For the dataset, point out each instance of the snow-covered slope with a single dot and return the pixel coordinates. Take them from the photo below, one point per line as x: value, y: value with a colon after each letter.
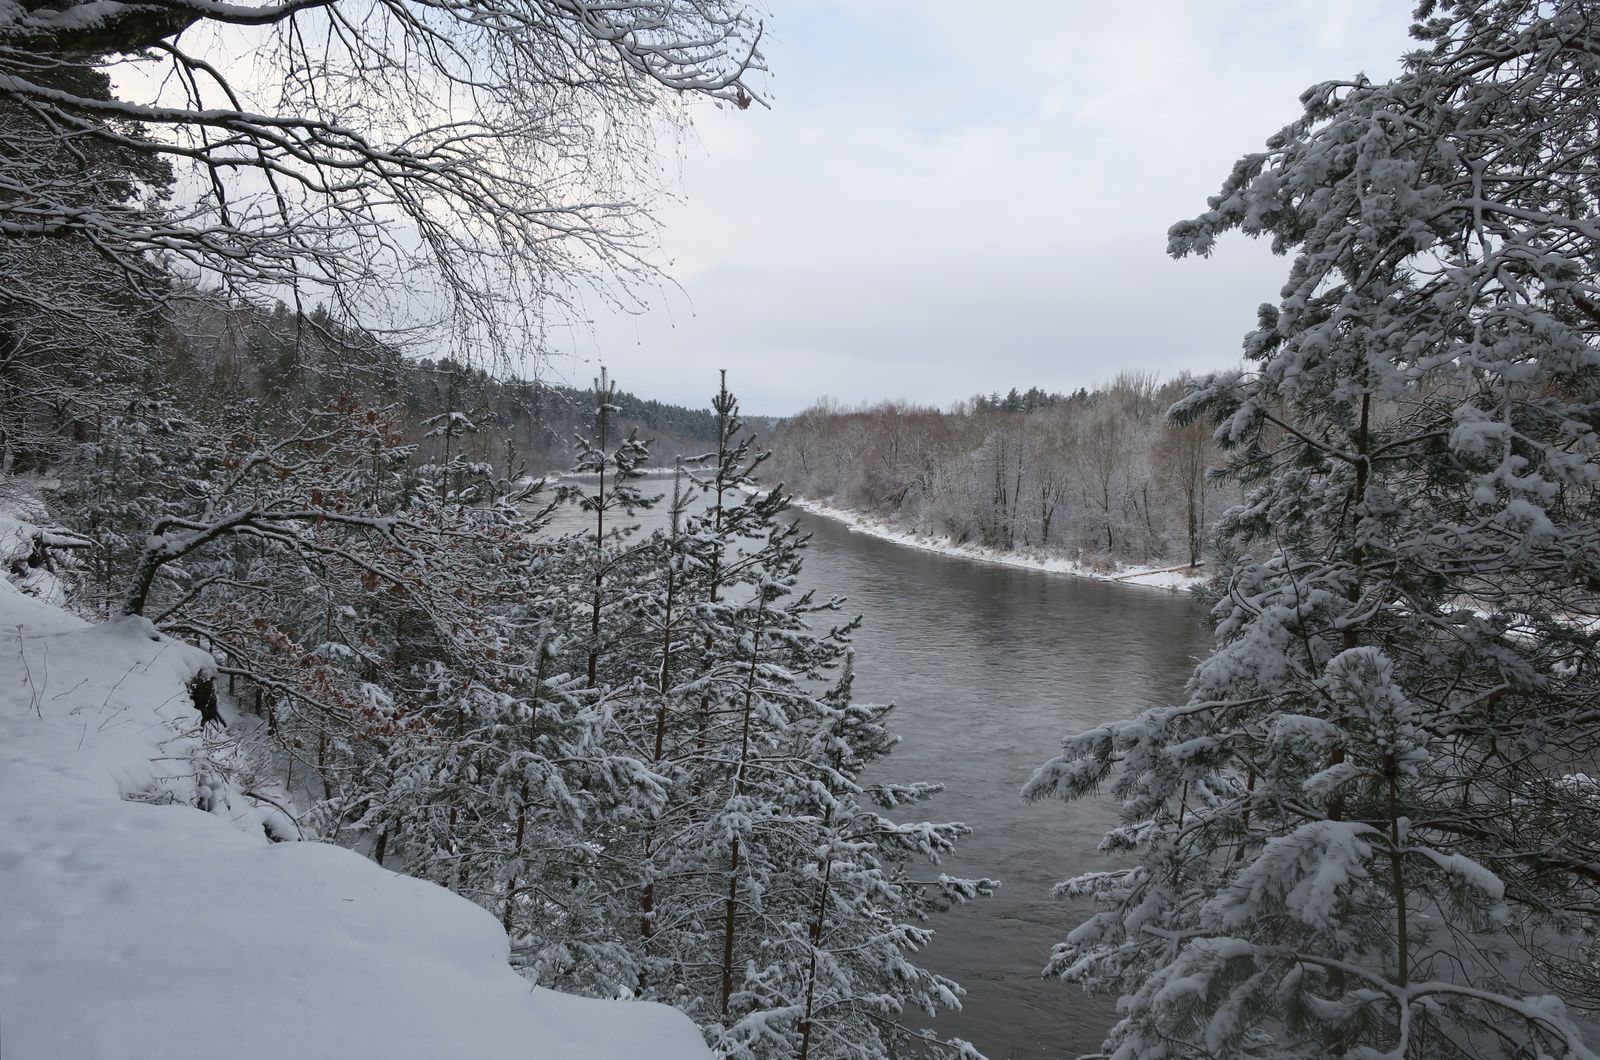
x: 133, y: 924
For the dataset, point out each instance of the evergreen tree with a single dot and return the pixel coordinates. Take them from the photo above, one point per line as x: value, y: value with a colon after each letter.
x: 1363, y: 834
x: 782, y: 911
x: 77, y: 331
x: 835, y: 975
x: 616, y: 472
x: 670, y: 622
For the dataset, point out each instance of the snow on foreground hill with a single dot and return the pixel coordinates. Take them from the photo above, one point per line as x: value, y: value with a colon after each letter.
x: 150, y: 930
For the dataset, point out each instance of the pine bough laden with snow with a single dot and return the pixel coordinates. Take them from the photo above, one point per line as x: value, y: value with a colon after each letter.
x: 1365, y: 833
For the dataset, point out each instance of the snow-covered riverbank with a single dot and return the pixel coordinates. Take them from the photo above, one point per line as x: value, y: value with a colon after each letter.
x: 552, y: 477
x: 1171, y: 578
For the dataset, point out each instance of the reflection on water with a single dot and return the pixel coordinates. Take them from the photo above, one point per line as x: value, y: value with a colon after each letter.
x: 990, y: 667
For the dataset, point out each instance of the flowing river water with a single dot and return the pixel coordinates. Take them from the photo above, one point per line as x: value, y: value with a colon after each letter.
x: 990, y: 666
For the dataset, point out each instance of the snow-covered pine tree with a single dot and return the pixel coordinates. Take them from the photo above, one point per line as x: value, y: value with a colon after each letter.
x: 677, y: 599
x: 674, y: 646
x: 80, y: 338
x: 137, y: 468
x: 594, y: 790
x: 504, y: 789
x: 733, y: 514
x: 765, y: 652
x: 666, y: 608
x: 834, y: 974
x: 783, y: 912
x: 1363, y: 834
x: 616, y: 490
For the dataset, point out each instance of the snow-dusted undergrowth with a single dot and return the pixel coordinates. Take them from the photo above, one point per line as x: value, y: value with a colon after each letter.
x: 1154, y: 577
x: 134, y: 924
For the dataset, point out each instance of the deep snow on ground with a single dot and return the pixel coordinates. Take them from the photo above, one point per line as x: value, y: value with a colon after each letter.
x: 135, y: 925
x: 1154, y: 577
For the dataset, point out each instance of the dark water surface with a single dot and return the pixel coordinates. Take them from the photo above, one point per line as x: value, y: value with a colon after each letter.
x: 990, y: 667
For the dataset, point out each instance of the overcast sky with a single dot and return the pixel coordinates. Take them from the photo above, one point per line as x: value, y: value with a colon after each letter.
x: 941, y: 202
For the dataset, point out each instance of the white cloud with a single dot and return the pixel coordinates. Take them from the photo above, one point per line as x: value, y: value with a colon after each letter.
x: 942, y: 201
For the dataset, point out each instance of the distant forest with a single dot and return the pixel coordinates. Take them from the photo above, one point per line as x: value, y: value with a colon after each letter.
x: 1098, y: 475
x: 263, y: 367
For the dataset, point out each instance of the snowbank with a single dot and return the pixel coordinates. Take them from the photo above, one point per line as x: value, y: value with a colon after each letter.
x: 1179, y: 578
x: 27, y: 555
x: 134, y: 925
x: 558, y: 475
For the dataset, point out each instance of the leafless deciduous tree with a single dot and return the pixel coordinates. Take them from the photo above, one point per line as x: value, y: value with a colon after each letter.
x: 1097, y: 475
x: 468, y: 161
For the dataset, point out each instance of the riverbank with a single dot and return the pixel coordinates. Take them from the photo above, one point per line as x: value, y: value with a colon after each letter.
x: 1174, y: 579
x: 558, y: 475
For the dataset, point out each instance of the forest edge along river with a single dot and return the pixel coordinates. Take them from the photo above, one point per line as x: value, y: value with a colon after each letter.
x: 990, y: 667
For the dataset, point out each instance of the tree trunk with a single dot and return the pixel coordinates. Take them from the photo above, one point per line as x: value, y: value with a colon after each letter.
x: 1193, y: 526
x: 599, y: 535
x: 1351, y: 638
x: 647, y: 902
x: 514, y: 884
x: 811, y: 970
x: 730, y: 911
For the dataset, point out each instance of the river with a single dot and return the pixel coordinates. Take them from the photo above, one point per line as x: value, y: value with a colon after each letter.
x: 990, y: 666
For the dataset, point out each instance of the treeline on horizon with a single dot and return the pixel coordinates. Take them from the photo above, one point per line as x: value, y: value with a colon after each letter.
x: 219, y: 360
x: 1097, y: 475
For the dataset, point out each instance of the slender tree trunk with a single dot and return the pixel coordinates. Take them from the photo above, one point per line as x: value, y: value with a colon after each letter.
x: 730, y: 911
x: 1397, y: 880
x: 1149, y: 523
x: 514, y: 884
x: 1105, y: 508
x: 818, y: 919
x: 1193, y: 526
x: 647, y: 903
x: 1016, y: 504
x: 817, y: 922
x: 1244, y: 818
x: 322, y: 759
x: 599, y: 535
x: 1351, y: 638
x: 716, y: 554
